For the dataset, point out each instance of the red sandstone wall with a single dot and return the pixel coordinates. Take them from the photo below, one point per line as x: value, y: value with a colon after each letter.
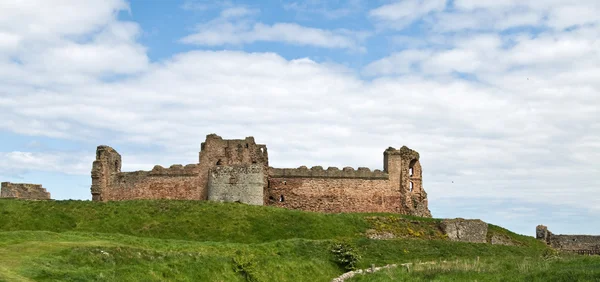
x: 176, y: 182
x: 347, y: 190
x: 132, y: 185
x: 334, y: 195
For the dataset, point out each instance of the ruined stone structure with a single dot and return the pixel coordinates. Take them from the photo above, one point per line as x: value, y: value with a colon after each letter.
x: 238, y: 171
x: 465, y: 230
x: 583, y: 244
x: 23, y: 191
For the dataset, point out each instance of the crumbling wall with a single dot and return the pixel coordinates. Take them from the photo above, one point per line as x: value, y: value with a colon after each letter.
x: 350, y: 190
x: 237, y: 183
x: 587, y: 244
x: 23, y: 191
x: 465, y: 230
x: 414, y: 197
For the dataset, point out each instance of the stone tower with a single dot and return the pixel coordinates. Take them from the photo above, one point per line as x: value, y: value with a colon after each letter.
x: 405, y: 172
x: 104, y: 170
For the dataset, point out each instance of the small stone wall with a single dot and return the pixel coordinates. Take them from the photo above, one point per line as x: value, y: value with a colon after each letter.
x: 23, y: 191
x: 584, y: 244
x: 465, y: 230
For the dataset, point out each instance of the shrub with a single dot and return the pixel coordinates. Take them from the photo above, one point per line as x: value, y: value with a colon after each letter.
x: 345, y: 255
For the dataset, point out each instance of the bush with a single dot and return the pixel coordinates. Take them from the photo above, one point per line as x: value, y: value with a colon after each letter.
x: 345, y: 255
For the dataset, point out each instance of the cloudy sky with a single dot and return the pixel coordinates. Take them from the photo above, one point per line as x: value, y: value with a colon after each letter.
x: 500, y: 97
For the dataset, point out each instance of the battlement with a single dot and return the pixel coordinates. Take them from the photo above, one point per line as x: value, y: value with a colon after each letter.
x: 404, y: 152
x: 218, y: 151
x: 175, y: 170
x: 23, y: 191
x: 158, y: 170
x: 330, y: 172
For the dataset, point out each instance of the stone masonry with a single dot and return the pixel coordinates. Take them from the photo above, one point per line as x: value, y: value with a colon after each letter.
x: 23, y: 191
x: 465, y: 230
x: 238, y: 171
x: 584, y: 244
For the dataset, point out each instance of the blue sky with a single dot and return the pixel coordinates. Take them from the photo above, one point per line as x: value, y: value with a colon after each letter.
x: 499, y: 97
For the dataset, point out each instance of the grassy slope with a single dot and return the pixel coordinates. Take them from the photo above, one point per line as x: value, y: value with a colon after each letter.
x: 199, y: 241
x: 565, y: 268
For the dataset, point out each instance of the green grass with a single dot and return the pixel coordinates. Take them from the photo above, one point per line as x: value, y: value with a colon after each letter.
x: 207, y: 241
x: 565, y: 268
x: 189, y: 220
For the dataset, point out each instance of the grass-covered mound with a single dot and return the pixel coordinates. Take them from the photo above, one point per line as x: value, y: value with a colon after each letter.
x: 207, y: 241
x: 211, y: 221
x: 187, y: 220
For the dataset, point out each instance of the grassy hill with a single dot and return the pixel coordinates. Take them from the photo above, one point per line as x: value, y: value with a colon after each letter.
x: 207, y: 241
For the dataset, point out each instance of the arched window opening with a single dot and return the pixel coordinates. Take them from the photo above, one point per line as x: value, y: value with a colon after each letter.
x: 411, y: 168
x: 284, y: 182
x: 281, y: 198
x: 219, y: 162
x: 411, y: 186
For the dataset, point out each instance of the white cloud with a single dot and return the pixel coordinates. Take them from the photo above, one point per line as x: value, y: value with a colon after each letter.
x: 237, y: 12
x: 331, y: 10
x: 66, y: 42
x: 403, y: 13
x: 18, y: 162
x: 233, y: 27
x: 478, y: 15
x: 41, y: 18
x: 398, y: 63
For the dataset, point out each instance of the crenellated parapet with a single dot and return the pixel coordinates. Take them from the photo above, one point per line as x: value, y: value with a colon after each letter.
x: 404, y: 152
x: 175, y: 170
x: 331, y: 172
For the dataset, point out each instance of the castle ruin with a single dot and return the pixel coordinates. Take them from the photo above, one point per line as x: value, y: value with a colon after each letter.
x: 238, y: 171
x: 24, y: 191
x: 582, y: 244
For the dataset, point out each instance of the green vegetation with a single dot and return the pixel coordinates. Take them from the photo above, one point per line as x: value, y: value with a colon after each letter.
x: 207, y: 241
x: 564, y: 268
